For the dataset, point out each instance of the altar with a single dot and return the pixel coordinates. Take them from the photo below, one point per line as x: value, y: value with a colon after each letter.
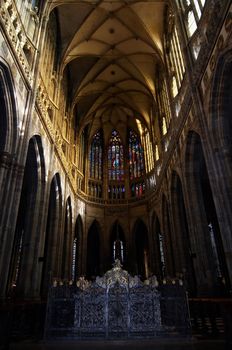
x: 116, y: 305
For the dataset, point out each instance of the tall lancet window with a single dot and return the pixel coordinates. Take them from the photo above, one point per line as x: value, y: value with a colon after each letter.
x: 118, y: 244
x: 95, y: 156
x: 74, y: 259
x: 115, y: 157
x: 136, y: 156
x: 118, y: 250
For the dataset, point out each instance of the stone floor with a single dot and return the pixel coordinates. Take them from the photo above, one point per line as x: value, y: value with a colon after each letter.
x: 166, y: 344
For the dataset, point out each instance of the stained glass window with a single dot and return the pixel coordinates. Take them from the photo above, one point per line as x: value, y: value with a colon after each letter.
x: 138, y: 189
x: 95, y: 189
x: 116, y: 192
x: 136, y: 156
x: 95, y: 156
x: 115, y: 157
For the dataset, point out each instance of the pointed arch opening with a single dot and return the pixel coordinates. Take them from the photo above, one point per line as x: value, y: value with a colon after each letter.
x: 167, y: 239
x: 66, y: 256
x: 51, y: 265
x: 136, y: 164
x: 118, y: 244
x: 76, y: 269
x: 8, y: 115
x: 158, y: 249
x: 221, y: 103
x: 183, y: 250
x: 96, y: 154
x: 116, y: 170
x: 141, y: 249
x: 221, y: 129
x: 27, y: 239
x: 93, y: 268
x: 210, y: 258
x: 115, y: 157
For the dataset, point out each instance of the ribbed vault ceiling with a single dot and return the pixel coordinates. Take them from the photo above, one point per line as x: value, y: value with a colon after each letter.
x: 111, y: 50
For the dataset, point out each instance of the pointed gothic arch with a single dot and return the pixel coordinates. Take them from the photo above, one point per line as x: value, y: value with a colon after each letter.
x: 117, y: 243
x: 210, y: 256
x: 96, y: 153
x: 115, y: 157
x: 159, y: 268
x: 8, y: 115
x: 67, y: 238
x: 8, y: 143
x: 76, y: 269
x: 141, y: 249
x: 221, y: 102
x: 93, y: 264
x: 167, y: 238
x: 27, y: 239
x: 182, y: 250
x: 220, y: 127
x: 51, y: 258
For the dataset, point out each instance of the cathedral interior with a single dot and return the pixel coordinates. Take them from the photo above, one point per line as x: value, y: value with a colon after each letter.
x: 115, y: 144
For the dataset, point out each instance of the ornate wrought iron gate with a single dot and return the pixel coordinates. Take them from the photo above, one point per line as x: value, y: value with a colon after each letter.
x: 114, y: 306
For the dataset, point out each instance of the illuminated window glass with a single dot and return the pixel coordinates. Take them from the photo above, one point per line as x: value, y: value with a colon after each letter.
x: 174, y: 87
x: 147, y: 147
x: 115, y: 157
x: 148, y: 152
x: 164, y: 105
x: 116, y: 192
x: 174, y: 56
x: 156, y: 153
x: 138, y: 189
x: 164, y: 126
x: 81, y: 154
x: 136, y: 156
x: 192, y: 11
x: 95, y: 156
x: 35, y: 3
x: 192, y: 24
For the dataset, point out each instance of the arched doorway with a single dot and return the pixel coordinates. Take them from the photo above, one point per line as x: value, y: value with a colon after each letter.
x: 24, y: 270
x: 220, y: 130
x: 141, y: 249
x: 51, y: 260
x: 67, y: 245
x: 10, y: 175
x: 208, y: 253
x: 183, y: 251
x: 77, y: 250
x: 93, y: 266
x: 167, y: 240
x: 158, y: 249
x: 8, y: 112
x: 118, y: 244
